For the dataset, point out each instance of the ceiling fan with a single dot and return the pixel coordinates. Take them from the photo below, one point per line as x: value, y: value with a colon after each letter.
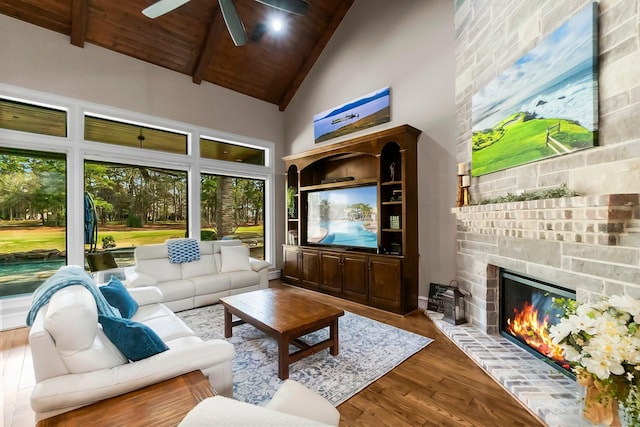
x: 231, y: 17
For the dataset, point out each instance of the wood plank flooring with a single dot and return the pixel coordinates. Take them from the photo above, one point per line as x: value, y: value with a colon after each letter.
x: 438, y: 386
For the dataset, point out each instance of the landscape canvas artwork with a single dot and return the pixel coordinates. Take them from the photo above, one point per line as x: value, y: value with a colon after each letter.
x: 545, y: 105
x: 362, y: 113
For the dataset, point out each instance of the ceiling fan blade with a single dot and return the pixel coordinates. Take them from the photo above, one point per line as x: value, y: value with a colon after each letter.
x: 234, y: 24
x: 161, y: 7
x: 298, y: 7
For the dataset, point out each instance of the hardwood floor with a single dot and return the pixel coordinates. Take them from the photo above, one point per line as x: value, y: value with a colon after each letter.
x: 438, y: 386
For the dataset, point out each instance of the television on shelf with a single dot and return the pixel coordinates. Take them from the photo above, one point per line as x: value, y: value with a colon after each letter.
x: 345, y: 217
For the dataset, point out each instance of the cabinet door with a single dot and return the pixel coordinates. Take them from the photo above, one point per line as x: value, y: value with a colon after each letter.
x: 330, y: 268
x: 310, y: 274
x: 385, y: 283
x: 290, y: 265
x: 355, y: 278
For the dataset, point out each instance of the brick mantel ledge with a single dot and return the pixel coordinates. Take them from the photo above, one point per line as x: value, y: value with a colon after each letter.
x: 599, y: 219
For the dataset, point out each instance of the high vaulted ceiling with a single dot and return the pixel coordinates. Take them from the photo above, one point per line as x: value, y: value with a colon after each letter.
x: 193, y: 39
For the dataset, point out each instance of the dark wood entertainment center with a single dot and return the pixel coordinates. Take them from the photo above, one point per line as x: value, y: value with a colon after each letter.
x: 385, y: 277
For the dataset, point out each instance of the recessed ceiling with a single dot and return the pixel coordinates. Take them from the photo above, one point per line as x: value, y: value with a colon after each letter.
x: 193, y: 39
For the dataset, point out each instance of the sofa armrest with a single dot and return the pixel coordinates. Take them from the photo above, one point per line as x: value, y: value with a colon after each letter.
x: 136, y: 279
x: 222, y: 411
x: 257, y: 265
x: 145, y: 295
x: 84, y: 389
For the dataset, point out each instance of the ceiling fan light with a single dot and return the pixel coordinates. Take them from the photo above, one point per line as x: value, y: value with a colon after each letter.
x: 276, y: 24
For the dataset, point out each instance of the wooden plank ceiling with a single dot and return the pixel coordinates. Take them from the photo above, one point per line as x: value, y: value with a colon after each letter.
x: 193, y: 39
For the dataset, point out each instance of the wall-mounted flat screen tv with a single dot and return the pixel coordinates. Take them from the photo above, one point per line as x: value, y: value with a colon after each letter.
x: 344, y: 217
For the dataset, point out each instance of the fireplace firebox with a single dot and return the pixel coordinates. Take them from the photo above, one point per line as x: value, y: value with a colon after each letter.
x: 527, y: 312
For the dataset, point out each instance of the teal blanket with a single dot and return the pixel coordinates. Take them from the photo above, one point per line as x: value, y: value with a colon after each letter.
x: 68, y: 276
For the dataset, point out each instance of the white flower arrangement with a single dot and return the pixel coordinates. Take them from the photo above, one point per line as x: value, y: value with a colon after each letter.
x: 601, y: 341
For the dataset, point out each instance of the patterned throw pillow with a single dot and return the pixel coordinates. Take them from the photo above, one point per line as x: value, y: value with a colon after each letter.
x: 183, y: 250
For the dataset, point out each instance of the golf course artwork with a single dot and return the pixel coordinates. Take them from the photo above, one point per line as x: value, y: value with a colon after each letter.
x: 369, y: 110
x: 545, y: 105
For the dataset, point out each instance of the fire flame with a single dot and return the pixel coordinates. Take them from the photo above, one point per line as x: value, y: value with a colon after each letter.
x: 526, y: 326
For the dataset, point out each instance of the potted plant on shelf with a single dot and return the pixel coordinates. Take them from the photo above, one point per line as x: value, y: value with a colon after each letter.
x: 291, y: 203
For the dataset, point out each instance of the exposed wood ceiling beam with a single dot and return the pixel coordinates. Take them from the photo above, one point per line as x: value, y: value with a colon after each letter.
x: 207, y: 51
x: 341, y: 11
x: 79, y: 13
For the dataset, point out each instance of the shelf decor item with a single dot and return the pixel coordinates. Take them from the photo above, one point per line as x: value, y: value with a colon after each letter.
x: 600, y: 341
x: 453, y: 306
x: 291, y: 202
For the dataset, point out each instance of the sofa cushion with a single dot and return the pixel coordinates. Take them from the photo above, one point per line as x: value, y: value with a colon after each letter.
x: 117, y: 296
x: 72, y: 318
x: 223, y: 411
x: 135, y: 340
x: 102, y: 354
x: 241, y: 279
x: 294, y: 398
x: 211, y: 284
x: 72, y: 323
x: 204, y: 266
x: 151, y: 311
x: 234, y: 258
x: 167, y: 328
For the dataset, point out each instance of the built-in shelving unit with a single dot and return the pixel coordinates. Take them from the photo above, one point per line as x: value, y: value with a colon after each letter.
x: 385, y: 277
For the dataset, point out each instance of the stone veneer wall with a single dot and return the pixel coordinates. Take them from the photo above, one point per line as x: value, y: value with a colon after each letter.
x: 588, y: 244
x: 579, y: 242
x: 492, y: 34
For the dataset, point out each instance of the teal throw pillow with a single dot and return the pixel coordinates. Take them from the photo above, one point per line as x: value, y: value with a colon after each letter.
x: 117, y: 296
x: 135, y: 340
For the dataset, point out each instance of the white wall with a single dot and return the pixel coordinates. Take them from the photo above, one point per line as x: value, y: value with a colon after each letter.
x: 36, y: 58
x: 409, y: 46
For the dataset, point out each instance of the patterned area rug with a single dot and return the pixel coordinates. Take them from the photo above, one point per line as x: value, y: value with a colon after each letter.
x: 368, y: 350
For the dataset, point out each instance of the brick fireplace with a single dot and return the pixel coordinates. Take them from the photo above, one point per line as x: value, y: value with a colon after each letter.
x: 590, y: 245
x: 587, y: 244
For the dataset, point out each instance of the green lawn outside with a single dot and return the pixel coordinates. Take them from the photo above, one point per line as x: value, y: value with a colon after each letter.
x: 31, y: 238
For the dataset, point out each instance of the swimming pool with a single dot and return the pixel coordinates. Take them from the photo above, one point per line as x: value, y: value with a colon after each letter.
x: 17, y: 278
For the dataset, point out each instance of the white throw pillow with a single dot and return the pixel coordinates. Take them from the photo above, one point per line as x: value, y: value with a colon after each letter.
x: 234, y: 258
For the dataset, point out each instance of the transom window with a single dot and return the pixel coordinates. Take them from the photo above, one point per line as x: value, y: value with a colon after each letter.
x: 131, y: 135
x: 226, y: 151
x: 32, y: 118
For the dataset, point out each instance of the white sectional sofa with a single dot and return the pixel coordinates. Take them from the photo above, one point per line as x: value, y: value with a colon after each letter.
x: 76, y: 364
x: 224, y: 268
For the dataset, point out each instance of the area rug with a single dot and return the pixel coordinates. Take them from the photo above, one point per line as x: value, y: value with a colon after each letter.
x: 368, y: 349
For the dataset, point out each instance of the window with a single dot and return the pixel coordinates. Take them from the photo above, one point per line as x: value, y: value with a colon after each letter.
x: 233, y: 208
x: 226, y: 151
x: 32, y: 118
x: 135, y: 205
x: 131, y: 135
x: 137, y: 172
x: 33, y: 219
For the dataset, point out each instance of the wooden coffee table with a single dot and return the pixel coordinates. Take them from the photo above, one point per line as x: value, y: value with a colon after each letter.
x: 285, y: 316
